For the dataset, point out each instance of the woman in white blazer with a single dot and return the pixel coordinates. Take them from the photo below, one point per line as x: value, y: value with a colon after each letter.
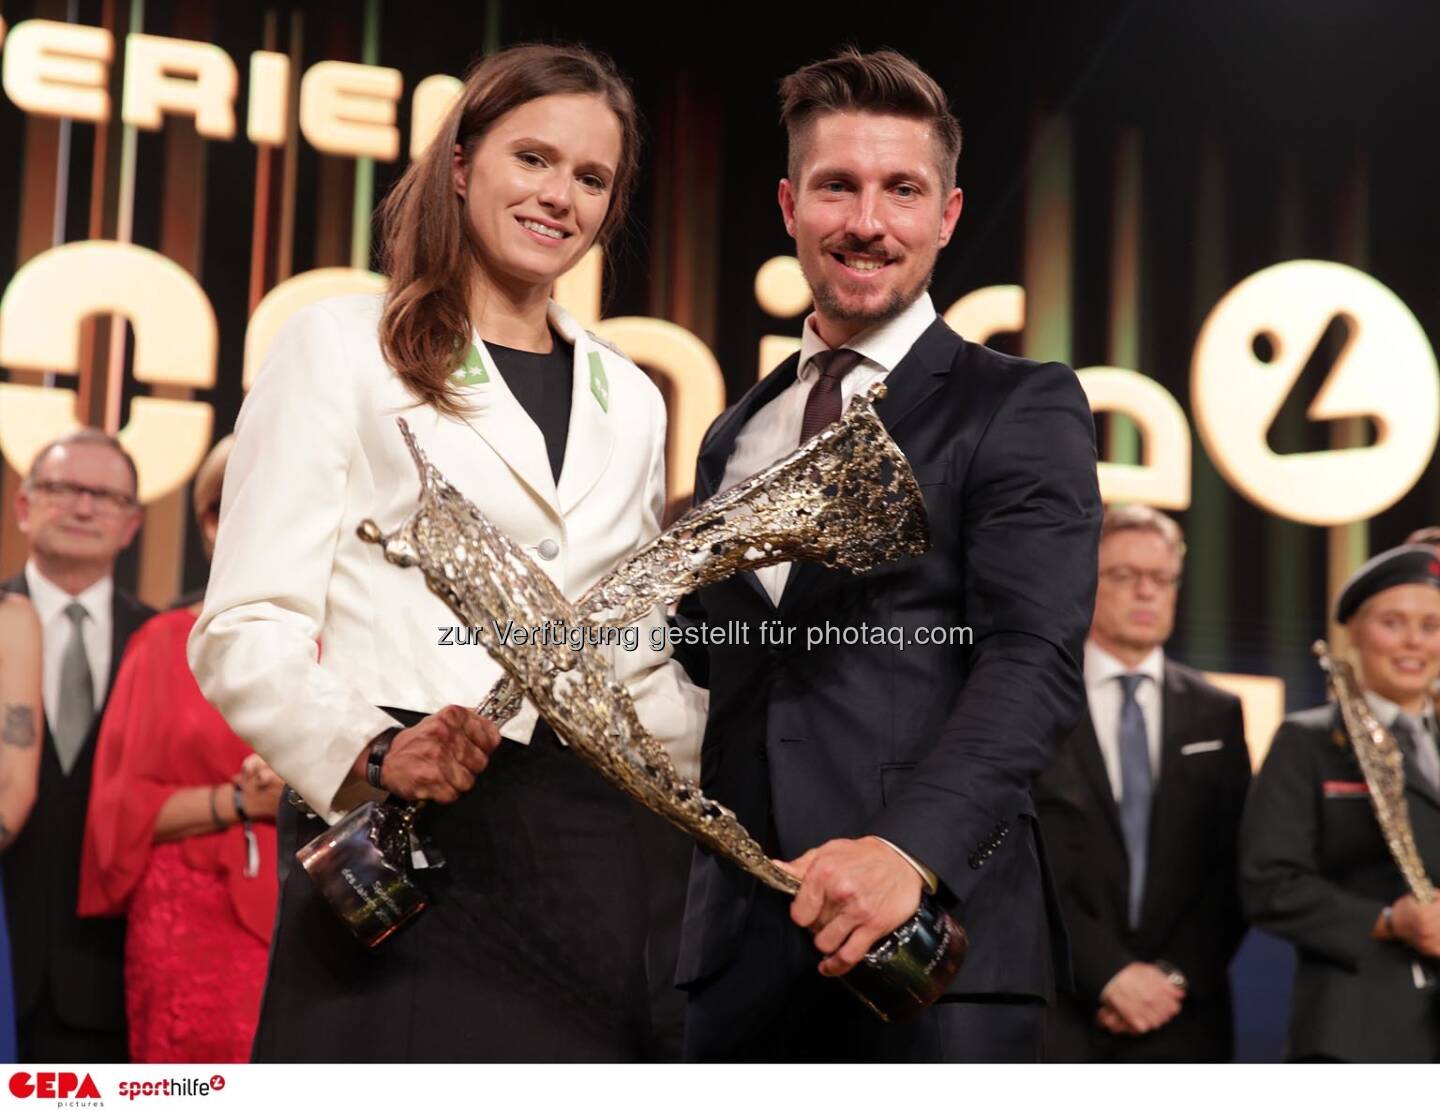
x: 326, y: 658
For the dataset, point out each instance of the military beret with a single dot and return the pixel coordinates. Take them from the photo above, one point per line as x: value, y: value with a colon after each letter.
x: 1410, y: 563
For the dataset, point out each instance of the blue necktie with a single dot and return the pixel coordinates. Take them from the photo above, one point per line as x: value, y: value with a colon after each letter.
x: 1137, y: 787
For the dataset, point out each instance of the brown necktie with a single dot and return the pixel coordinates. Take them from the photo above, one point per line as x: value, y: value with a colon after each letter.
x: 822, y: 407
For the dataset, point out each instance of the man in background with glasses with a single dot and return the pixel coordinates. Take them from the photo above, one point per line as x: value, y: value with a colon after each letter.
x: 1140, y: 812
x: 78, y: 509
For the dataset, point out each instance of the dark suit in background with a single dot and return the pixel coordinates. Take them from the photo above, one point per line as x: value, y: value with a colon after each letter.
x: 68, y: 970
x: 932, y: 747
x: 1190, y: 915
x: 1315, y: 870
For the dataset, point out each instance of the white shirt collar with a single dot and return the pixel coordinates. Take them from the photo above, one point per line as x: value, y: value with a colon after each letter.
x: 884, y: 345
x: 567, y: 326
x: 1388, y: 711
x: 1101, y: 666
x: 50, y: 600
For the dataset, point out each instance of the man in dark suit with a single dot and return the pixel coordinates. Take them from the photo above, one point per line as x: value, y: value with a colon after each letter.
x: 1315, y: 867
x: 77, y: 507
x: 878, y: 766
x: 1141, y: 812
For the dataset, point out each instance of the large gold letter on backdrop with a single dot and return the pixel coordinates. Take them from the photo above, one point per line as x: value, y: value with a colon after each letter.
x: 175, y: 345
x: 292, y: 295
x: 1162, y: 477
x: 347, y: 108
x: 781, y: 290
x: 59, y: 69
x: 176, y: 77
x: 1386, y: 372
x: 267, y: 121
x: 430, y: 103
x: 984, y: 313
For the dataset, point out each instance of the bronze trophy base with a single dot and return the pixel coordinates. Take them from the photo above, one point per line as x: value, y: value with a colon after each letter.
x: 362, y: 867
x: 910, y: 968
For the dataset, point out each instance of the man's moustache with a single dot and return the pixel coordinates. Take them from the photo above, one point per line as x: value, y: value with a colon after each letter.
x: 854, y: 247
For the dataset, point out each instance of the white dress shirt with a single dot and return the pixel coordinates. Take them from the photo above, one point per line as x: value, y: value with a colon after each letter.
x: 1102, y: 687
x: 774, y: 432
x: 1388, y: 711
x: 50, y: 602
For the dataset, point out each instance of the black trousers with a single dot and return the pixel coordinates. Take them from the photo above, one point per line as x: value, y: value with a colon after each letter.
x: 666, y: 852
x: 770, y: 1004
x: 533, y: 949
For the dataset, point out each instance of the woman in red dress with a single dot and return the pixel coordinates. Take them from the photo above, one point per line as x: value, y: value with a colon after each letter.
x: 180, y: 837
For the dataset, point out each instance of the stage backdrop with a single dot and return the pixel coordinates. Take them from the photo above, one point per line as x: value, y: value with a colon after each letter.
x: 1221, y: 216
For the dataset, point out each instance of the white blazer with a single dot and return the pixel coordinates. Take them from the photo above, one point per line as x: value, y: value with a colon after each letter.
x: 307, y: 629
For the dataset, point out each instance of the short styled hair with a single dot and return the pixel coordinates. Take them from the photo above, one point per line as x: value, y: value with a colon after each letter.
x: 1143, y: 518
x: 885, y: 83
x: 92, y: 436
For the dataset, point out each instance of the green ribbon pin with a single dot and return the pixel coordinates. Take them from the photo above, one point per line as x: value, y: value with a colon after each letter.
x: 472, y: 371
x: 599, y: 384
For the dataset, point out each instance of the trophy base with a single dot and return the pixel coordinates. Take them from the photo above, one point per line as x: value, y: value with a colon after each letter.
x: 910, y: 968
x: 360, y: 866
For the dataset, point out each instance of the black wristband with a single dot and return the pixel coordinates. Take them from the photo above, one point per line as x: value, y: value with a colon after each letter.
x: 1174, y: 975
x: 239, y: 798
x: 378, y: 749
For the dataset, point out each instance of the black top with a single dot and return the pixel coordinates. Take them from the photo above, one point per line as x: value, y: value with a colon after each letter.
x: 541, y: 383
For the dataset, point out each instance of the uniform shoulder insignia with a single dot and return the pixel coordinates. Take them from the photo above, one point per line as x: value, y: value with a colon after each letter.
x: 605, y: 343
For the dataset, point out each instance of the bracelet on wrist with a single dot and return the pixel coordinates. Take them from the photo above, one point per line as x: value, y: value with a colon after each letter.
x: 379, y: 747
x: 238, y: 798
x: 1174, y: 975
x: 252, y: 845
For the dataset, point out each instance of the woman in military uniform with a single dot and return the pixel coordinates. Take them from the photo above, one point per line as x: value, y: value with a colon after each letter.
x: 1314, y: 865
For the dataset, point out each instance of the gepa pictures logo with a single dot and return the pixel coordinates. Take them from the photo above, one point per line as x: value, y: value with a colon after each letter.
x: 53, y: 1085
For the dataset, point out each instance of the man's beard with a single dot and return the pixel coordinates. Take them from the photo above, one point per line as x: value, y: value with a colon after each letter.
x: 831, y: 305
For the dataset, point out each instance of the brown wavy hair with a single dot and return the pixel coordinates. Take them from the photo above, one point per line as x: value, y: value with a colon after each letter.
x: 427, y: 249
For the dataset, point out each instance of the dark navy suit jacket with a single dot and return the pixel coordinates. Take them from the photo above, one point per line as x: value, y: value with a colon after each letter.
x: 934, y: 747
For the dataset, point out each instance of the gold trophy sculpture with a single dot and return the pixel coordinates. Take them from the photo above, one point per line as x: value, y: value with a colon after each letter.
x: 846, y: 498
x: 1383, y: 766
